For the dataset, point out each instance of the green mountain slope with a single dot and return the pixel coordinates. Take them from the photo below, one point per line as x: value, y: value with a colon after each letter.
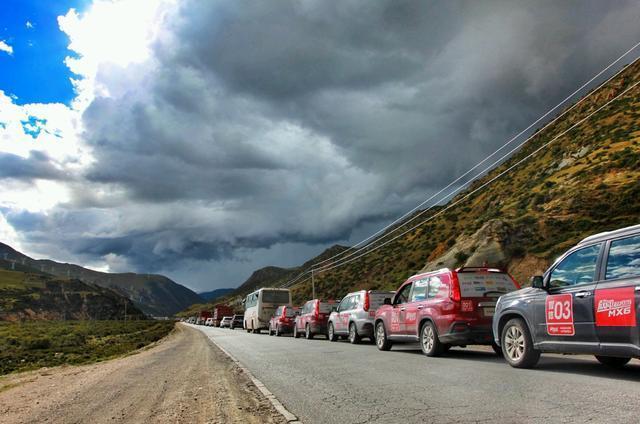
x: 155, y: 295
x: 26, y: 295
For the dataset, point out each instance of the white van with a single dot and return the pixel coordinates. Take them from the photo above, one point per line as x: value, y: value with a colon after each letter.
x: 260, y: 306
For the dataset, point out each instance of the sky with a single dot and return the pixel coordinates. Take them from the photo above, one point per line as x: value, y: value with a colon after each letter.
x: 204, y: 140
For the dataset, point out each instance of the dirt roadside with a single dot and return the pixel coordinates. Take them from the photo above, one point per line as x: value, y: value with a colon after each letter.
x: 183, y: 379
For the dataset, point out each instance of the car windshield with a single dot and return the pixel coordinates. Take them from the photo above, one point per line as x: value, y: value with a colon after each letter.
x: 275, y: 296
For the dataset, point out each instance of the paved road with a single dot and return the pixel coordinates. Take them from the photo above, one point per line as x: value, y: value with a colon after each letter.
x: 323, y: 382
x: 177, y: 381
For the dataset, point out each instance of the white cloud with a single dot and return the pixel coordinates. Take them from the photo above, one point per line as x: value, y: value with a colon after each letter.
x: 29, y: 25
x: 4, y: 47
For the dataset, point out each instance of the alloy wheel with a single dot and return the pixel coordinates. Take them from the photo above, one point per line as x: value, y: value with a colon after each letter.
x: 514, y: 343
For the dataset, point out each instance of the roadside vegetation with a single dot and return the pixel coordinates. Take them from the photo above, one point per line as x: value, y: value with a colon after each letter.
x: 35, y: 344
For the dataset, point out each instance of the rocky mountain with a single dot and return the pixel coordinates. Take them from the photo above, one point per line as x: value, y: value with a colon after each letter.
x: 155, y: 295
x: 29, y: 294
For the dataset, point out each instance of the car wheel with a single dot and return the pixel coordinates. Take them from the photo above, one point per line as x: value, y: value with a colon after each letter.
x: 497, y: 349
x: 429, y: 341
x: 295, y: 332
x: 517, y: 345
x: 278, y: 332
x: 307, y: 332
x: 612, y: 361
x: 354, y: 338
x: 381, y: 337
x: 331, y: 334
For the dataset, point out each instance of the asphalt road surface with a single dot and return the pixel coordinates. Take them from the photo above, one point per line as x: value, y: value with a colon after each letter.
x: 324, y: 382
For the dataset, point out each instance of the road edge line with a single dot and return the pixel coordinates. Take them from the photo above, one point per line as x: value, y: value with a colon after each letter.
x: 282, y: 410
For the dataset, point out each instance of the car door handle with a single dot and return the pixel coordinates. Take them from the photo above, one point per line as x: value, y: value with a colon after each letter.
x: 402, y: 309
x: 420, y: 307
x: 583, y: 294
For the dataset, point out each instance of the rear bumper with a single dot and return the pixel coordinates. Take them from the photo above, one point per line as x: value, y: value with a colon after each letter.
x: 318, y: 328
x: 460, y: 333
x: 365, y: 327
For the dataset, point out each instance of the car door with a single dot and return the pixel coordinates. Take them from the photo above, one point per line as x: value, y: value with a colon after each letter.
x: 398, y: 325
x: 343, y: 315
x: 617, y: 296
x: 415, y: 304
x: 564, y: 312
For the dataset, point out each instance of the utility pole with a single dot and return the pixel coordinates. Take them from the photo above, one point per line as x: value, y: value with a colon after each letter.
x: 313, y: 284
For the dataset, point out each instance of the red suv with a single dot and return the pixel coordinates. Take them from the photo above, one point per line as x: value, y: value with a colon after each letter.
x: 443, y: 308
x: 282, y: 321
x: 313, y: 318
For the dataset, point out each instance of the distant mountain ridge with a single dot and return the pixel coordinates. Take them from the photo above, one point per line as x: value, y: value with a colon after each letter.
x: 215, y: 294
x: 155, y: 295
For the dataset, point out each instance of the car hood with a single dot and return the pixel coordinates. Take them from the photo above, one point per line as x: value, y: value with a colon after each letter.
x: 525, y: 292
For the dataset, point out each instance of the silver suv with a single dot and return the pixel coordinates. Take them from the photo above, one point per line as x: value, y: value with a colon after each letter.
x: 355, y: 315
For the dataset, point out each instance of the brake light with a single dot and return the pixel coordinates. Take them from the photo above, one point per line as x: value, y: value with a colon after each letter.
x: 317, y: 309
x: 366, y: 301
x: 454, y: 289
x: 284, y: 312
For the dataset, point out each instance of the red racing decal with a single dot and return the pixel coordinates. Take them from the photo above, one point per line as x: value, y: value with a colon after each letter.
x: 616, y: 307
x: 559, y: 315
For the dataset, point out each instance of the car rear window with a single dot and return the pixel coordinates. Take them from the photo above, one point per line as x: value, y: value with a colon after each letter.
x: 377, y: 299
x: 327, y: 308
x: 291, y: 312
x: 477, y: 284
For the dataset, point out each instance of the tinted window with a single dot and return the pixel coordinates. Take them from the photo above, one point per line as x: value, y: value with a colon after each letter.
x: 275, y: 296
x: 577, y: 268
x: 435, y: 283
x: 624, y: 258
x: 403, y: 295
x: 419, y: 290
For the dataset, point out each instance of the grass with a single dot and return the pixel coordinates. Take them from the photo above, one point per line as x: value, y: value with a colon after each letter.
x: 35, y: 344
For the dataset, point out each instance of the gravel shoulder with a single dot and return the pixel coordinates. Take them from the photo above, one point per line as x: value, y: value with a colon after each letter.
x: 184, y: 378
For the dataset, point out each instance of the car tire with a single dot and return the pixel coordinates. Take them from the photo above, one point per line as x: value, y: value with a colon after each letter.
x: 497, y: 349
x: 612, y: 361
x: 296, y: 335
x: 354, y: 337
x: 517, y: 345
x: 307, y: 332
x: 429, y: 341
x: 331, y: 334
x: 382, y: 342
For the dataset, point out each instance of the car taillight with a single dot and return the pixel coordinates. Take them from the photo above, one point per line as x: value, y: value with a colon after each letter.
x: 366, y: 301
x: 454, y: 289
x: 284, y: 312
x: 317, y: 309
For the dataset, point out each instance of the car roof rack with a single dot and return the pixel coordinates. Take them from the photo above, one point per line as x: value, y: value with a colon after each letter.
x: 608, y: 234
x: 479, y: 268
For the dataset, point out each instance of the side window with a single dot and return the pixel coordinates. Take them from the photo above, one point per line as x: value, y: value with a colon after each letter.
x: 435, y: 284
x: 344, y: 305
x: 577, y: 268
x: 624, y: 258
x: 419, y: 292
x: 403, y: 295
x: 355, y: 300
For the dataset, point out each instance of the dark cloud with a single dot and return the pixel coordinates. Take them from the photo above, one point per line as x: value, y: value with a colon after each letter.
x: 37, y: 166
x: 260, y: 125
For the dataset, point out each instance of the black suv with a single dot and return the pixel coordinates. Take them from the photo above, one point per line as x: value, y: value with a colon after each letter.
x: 587, y: 302
x: 237, y: 321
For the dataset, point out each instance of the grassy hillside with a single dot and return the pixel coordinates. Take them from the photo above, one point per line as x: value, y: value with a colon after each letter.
x: 154, y: 294
x: 36, y: 344
x: 39, y: 296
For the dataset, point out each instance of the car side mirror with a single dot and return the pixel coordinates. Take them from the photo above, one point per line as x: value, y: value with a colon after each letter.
x: 387, y: 301
x: 537, y: 282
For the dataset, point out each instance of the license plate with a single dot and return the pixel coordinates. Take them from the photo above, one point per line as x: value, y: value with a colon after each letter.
x: 488, y: 312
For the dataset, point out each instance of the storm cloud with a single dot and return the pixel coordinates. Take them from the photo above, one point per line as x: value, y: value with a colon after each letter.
x: 257, y: 126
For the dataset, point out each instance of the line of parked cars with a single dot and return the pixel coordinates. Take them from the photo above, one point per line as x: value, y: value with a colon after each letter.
x: 587, y: 302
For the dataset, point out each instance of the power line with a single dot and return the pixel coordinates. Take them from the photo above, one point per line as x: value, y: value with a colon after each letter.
x: 490, y: 156
x: 338, y: 263
x: 355, y: 252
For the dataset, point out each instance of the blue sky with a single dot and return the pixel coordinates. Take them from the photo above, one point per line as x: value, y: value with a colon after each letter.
x: 36, y: 72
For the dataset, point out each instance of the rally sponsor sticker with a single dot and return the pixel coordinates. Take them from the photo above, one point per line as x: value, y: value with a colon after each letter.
x: 559, y: 315
x: 616, y: 307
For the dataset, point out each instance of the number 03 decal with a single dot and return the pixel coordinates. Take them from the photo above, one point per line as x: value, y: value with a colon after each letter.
x: 559, y: 315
